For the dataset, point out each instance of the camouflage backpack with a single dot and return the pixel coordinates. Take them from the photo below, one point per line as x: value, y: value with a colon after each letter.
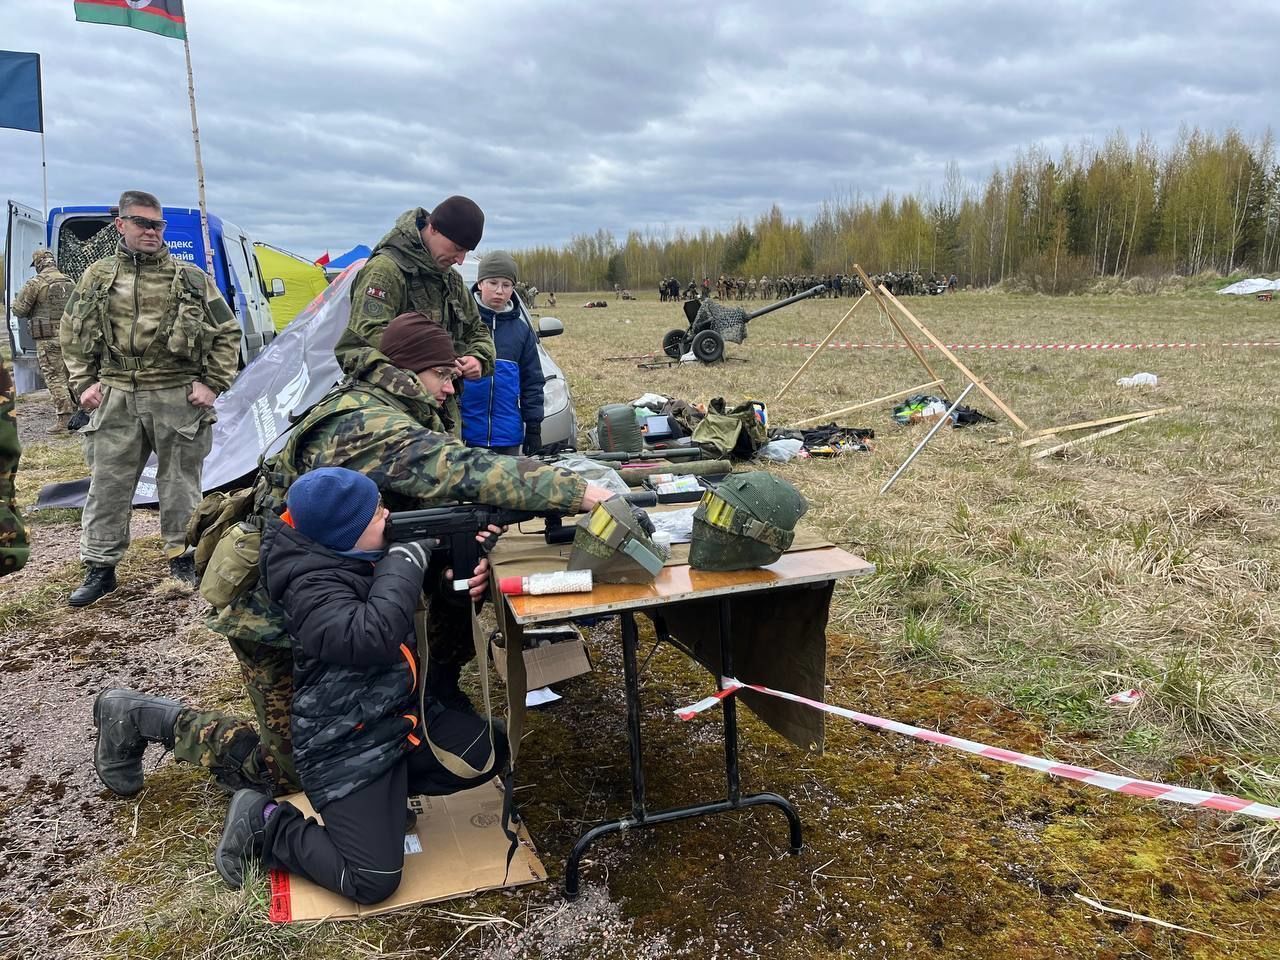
x: 747, y: 520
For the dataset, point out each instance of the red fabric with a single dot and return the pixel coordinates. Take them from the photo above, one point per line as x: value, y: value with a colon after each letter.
x: 323, y: 259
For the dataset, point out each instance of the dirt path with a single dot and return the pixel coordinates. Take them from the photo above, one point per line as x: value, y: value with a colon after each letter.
x: 58, y: 826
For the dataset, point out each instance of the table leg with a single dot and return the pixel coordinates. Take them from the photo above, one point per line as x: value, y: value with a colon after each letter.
x: 640, y: 816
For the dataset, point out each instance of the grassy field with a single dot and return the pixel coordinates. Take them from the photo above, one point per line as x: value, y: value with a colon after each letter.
x: 1013, y: 596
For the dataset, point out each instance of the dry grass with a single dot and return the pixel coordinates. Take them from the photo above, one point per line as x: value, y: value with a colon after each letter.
x: 1012, y: 598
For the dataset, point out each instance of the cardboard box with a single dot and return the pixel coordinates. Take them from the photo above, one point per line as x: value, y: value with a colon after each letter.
x: 457, y: 848
x: 564, y: 656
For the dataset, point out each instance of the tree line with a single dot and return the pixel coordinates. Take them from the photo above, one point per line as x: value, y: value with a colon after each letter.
x: 1208, y: 203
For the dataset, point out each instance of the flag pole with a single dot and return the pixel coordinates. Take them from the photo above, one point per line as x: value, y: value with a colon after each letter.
x: 195, y: 137
x: 44, y: 164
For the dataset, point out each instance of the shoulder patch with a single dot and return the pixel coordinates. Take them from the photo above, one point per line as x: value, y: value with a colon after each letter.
x: 372, y: 308
x: 376, y: 292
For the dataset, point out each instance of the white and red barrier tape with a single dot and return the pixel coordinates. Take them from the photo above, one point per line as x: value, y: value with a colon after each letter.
x: 810, y: 344
x: 1107, y: 781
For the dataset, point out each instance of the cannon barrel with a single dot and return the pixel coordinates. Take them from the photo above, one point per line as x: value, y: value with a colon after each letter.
x: 803, y: 295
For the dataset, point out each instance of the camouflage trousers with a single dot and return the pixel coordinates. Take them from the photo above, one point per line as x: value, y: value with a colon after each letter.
x: 54, y: 371
x: 236, y: 752
x: 122, y: 433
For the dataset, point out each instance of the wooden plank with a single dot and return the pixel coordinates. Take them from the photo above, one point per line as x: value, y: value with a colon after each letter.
x: 896, y: 325
x: 1041, y: 454
x: 956, y: 362
x: 675, y: 584
x: 918, y: 388
x: 1038, y: 435
x: 818, y: 349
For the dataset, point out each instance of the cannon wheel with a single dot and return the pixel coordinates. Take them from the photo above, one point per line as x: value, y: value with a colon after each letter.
x: 708, y: 346
x: 673, y: 344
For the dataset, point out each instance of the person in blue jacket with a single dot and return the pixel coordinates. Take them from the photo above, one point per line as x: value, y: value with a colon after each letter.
x: 504, y: 412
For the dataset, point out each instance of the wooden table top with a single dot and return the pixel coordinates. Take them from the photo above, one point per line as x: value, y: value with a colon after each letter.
x: 681, y: 582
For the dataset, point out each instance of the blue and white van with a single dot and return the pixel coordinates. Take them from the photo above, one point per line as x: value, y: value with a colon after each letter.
x: 235, y: 269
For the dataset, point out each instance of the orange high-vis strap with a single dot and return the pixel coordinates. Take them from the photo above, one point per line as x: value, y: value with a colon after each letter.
x: 413, y: 666
x: 287, y: 518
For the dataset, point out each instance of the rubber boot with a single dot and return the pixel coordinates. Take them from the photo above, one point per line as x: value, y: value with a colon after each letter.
x: 127, y: 721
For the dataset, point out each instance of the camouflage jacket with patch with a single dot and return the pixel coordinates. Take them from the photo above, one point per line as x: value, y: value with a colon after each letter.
x: 146, y: 321
x: 401, y: 276
x: 42, y: 300
x: 382, y: 423
x: 14, y: 548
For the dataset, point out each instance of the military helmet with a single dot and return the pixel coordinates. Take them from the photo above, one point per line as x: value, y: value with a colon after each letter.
x: 748, y: 520
x: 613, y: 542
x: 42, y: 257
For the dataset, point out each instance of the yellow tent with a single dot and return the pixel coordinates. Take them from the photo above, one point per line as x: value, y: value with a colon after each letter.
x: 303, y: 280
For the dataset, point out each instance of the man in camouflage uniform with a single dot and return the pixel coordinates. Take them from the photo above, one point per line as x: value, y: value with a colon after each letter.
x: 41, y: 301
x: 14, y: 548
x: 389, y: 424
x: 411, y: 268
x: 149, y: 344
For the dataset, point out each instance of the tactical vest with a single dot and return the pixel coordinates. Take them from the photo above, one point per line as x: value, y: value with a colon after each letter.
x: 47, y: 315
x: 179, y: 333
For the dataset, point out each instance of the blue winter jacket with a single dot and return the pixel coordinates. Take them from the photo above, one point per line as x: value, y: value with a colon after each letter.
x: 497, y: 410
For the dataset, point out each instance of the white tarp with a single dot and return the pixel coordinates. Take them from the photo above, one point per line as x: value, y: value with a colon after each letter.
x: 295, y: 370
x: 1247, y: 288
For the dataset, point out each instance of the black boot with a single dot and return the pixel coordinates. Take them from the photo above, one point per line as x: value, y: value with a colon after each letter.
x: 98, y: 582
x: 242, y: 835
x: 184, y: 568
x: 442, y: 686
x: 127, y: 721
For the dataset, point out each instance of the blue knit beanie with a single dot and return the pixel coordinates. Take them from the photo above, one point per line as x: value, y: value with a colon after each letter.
x: 332, y: 506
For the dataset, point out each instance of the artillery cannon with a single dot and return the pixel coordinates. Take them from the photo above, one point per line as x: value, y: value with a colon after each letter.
x: 712, y: 324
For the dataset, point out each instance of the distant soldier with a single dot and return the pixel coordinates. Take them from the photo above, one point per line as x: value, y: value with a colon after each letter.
x: 42, y: 301
x: 751, y: 288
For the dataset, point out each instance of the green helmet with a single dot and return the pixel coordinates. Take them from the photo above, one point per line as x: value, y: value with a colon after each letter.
x: 748, y: 520
x: 613, y: 543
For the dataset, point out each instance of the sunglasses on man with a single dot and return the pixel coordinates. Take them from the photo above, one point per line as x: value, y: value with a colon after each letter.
x: 146, y: 223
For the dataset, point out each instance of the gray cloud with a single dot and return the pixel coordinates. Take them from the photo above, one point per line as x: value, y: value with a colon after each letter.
x: 321, y: 120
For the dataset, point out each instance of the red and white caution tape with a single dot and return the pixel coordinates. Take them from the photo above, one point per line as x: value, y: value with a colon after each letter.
x: 1107, y: 781
x: 809, y: 345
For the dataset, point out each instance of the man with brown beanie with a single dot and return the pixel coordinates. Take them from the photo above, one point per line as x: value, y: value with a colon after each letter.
x: 411, y: 268
x: 385, y: 421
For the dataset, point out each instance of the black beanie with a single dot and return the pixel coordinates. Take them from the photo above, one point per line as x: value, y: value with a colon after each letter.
x: 459, y: 219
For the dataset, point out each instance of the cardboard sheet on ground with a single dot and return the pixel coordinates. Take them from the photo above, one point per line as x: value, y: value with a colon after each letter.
x: 457, y: 848
x: 764, y: 625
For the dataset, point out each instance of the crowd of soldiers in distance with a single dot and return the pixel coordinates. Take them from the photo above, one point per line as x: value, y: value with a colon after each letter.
x: 900, y: 284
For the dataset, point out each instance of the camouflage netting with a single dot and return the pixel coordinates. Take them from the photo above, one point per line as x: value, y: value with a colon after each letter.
x: 75, y: 255
x: 729, y: 322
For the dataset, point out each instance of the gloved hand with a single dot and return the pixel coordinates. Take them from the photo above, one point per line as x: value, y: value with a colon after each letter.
x: 532, y: 442
x: 642, y: 519
x: 417, y: 552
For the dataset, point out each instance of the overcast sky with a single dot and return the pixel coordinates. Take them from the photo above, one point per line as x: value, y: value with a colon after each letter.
x: 321, y: 120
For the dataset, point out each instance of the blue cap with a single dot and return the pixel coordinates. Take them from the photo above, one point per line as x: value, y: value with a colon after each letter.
x: 332, y: 506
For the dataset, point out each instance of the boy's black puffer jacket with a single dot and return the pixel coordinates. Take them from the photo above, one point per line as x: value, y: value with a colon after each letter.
x: 355, y: 669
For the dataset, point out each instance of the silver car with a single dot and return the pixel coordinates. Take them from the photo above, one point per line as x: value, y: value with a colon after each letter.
x: 559, y: 422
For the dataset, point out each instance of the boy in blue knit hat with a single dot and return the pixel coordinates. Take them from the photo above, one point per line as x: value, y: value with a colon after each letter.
x: 365, y: 735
